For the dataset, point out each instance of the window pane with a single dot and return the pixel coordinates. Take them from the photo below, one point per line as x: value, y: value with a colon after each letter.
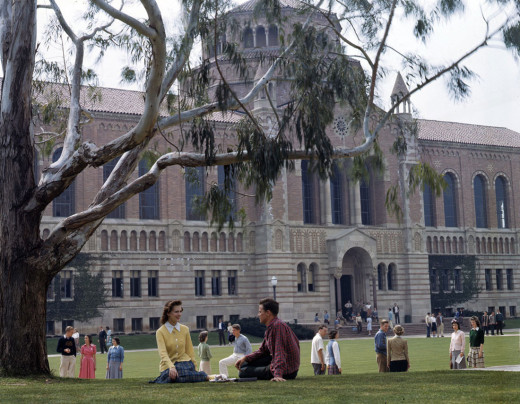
x: 450, y: 206
x: 194, y: 178
x: 149, y: 198
x: 336, y: 196
x: 307, y: 194
x: 429, y: 207
x: 501, y: 198
x: 119, y: 212
x: 480, y: 202
x: 64, y: 204
x: 364, y: 194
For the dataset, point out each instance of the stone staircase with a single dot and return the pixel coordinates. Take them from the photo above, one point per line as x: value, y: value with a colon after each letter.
x: 350, y: 330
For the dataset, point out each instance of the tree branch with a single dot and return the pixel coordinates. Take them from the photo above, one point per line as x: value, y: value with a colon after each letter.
x: 130, y: 21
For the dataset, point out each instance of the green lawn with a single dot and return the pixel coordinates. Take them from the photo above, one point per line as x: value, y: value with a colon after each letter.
x: 360, y: 383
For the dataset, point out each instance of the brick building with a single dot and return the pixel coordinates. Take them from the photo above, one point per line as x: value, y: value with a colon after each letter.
x: 326, y: 242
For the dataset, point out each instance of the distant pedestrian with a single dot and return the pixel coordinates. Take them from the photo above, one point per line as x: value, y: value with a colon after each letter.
x: 397, y: 352
x: 433, y: 325
x: 500, y: 322
x: 76, y: 339
x: 221, y: 332
x: 427, y: 320
x: 326, y: 318
x: 359, y: 323
x: 369, y: 325
x: 485, y: 322
x: 390, y: 317
x: 333, y: 357
x: 476, y: 344
x: 317, y: 318
x: 102, y: 340
x: 396, y: 312
x: 109, y: 336
x: 492, y: 322
x: 440, y: 325
x: 380, y: 346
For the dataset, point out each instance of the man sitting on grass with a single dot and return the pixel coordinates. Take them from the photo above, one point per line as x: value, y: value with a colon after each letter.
x: 278, y: 358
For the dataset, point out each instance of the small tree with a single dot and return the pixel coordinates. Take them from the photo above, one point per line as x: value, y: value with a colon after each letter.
x: 90, y: 294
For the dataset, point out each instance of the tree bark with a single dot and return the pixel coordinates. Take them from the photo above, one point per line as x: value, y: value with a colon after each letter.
x: 22, y: 285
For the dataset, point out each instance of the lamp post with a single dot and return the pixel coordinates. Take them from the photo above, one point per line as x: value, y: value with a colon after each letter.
x: 274, y: 282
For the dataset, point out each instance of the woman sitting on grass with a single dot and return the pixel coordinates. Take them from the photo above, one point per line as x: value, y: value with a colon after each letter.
x: 175, y: 348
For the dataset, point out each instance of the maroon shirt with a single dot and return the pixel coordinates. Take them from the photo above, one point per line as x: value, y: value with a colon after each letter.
x: 282, y: 344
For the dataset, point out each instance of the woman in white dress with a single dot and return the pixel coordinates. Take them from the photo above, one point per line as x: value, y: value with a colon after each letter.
x: 457, y: 346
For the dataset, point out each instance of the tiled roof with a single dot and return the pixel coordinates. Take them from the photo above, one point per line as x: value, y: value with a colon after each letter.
x: 99, y: 99
x: 250, y: 5
x: 467, y: 134
x: 226, y: 117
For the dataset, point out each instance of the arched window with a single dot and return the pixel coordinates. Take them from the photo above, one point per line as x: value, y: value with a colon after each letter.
x: 194, y: 179
x: 248, y: 38
x: 391, y: 277
x: 301, y: 281
x: 501, y: 196
x: 152, y: 241
x: 133, y: 241
x: 336, y: 196
x: 429, y: 206
x: 260, y: 37
x: 119, y: 212
x: 479, y: 190
x: 381, y: 276
x: 195, y: 242
x: 104, y: 240
x: 311, y: 278
x: 204, y: 243
x: 222, y: 242
x: 142, y: 241
x: 273, y: 36
x: 123, y: 242
x: 308, y: 194
x: 149, y: 198
x: 113, y: 240
x: 187, y: 241
x: 162, y: 241
x: 64, y: 204
x: 364, y: 196
x: 450, y: 201
x: 227, y: 182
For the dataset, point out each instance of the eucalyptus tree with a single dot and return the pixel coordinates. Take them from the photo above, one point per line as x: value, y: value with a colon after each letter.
x: 321, y: 74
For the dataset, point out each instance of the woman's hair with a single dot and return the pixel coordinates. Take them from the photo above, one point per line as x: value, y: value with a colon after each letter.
x: 89, y: 339
x: 202, y: 336
x: 168, y: 307
x: 476, y: 320
x: 332, y: 334
x: 455, y: 322
x: 398, y: 330
x: 117, y: 340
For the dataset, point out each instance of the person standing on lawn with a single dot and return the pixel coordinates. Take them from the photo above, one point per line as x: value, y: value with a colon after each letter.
x: 115, y: 359
x: 87, y: 364
x: 397, y: 352
x: 67, y: 349
x: 396, y: 311
x: 380, y: 345
x: 457, y: 346
x: 333, y: 357
x: 318, y: 352
x: 476, y: 344
x: 278, y: 358
x: 102, y: 340
x: 500, y: 322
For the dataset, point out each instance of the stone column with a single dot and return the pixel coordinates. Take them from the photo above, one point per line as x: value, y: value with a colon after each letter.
x: 338, y: 273
x: 355, y: 204
x: 327, y: 203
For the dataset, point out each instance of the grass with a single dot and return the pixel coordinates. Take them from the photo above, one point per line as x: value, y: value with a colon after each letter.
x: 360, y: 383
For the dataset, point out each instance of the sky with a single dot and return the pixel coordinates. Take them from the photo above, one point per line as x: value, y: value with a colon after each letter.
x: 495, y: 96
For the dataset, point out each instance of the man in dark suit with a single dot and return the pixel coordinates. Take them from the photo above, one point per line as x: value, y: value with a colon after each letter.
x: 221, y: 333
x: 102, y: 340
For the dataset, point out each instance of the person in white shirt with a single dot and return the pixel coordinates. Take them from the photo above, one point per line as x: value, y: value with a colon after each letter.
x: 427, y: 320
x: 457, y: 347
x: 242, y: 347
x: 433, y: 325
x: 369, y: 325
x: 332, y: 357
x: 317, y: 351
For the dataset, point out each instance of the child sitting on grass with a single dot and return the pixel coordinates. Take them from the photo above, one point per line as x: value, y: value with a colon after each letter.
x: 204, y: 353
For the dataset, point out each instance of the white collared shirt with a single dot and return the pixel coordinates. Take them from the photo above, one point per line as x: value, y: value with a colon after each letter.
x: 170, y: 327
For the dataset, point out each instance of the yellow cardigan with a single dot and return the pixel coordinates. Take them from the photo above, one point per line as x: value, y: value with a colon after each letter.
x: 174, y: 347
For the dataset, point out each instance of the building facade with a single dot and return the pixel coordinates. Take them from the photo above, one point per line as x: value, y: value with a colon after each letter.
x: 325, y: 241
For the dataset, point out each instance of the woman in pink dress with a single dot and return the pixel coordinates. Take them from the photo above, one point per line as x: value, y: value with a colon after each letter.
x: 87, y: 368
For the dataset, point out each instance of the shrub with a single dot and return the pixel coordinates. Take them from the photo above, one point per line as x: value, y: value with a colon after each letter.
x: 252, y: 326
